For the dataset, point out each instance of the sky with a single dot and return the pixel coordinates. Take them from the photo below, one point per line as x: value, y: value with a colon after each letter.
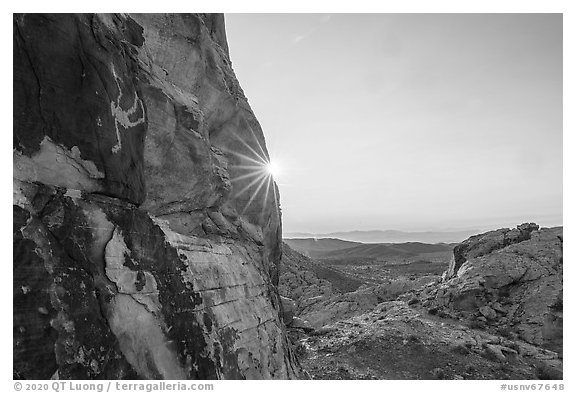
x: 407, y: 121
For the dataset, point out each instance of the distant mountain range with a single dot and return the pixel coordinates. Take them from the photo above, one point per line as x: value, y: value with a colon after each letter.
x: 341, y: 249
x: 320, y: 246
x: 388, y: 236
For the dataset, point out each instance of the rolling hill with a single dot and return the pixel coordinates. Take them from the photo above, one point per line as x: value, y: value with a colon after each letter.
x: 341, y: 249
x: 375, y: 251
x: 388, y: 236
x: 317, y: 247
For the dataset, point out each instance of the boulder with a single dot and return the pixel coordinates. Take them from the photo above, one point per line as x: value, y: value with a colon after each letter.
x: 488, y: 312
x: 494, y: 352
x: 498, y: 308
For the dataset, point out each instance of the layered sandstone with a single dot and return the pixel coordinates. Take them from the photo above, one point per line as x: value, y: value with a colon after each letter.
x: 143, y: 245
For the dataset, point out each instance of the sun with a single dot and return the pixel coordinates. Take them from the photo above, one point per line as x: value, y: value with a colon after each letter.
x: 272, y: 169
x: 254, y: 173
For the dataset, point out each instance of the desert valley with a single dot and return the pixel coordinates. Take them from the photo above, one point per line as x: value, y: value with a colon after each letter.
x: 487, y: 308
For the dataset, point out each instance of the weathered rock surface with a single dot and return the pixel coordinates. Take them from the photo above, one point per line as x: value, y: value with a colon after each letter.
x: 511, y: 280
x: 358, y: 302
x: 299, y: 282
x: 143, y: 247
x: 393, y: 341
x: 485, y: 243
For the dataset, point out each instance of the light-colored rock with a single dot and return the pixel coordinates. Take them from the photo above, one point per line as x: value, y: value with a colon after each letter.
x: 488, y: 312
x: 495, y: 352
x: 299, y: 323
x: 487, y: 243
x: 521, y: 268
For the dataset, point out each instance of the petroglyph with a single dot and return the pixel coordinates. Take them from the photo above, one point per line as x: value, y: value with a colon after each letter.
x: 121, y: 116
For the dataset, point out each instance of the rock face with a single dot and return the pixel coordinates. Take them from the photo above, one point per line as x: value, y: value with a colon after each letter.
x: 146, y: 237
x: 299, y: 282
x: 485, y: 243
x: 510, y: 279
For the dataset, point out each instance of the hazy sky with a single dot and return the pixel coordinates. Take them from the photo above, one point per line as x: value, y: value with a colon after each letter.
x: 407, y: 121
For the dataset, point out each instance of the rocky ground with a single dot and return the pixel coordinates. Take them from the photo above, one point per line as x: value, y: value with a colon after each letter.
x: 418, y: 330
x: 395, y: 341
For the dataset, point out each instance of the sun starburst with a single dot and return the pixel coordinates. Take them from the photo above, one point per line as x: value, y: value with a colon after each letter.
x: 253, y: 173
x: 273, y: 169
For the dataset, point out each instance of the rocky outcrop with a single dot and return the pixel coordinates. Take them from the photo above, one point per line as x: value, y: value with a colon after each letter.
x: 299, y: 282
x: 326, y: 310
x: 319, y: 303
x: 510, y: 280
x: 485, y: 243
x: 394, y: 341
x: 146, y: 235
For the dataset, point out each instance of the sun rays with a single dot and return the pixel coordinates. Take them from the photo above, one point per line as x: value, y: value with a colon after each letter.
x: 273, y: 169
x: 254, y: 174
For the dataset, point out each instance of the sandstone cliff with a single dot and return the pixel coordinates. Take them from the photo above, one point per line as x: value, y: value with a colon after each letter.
x: 508, y: 280
x: 146, y: 235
